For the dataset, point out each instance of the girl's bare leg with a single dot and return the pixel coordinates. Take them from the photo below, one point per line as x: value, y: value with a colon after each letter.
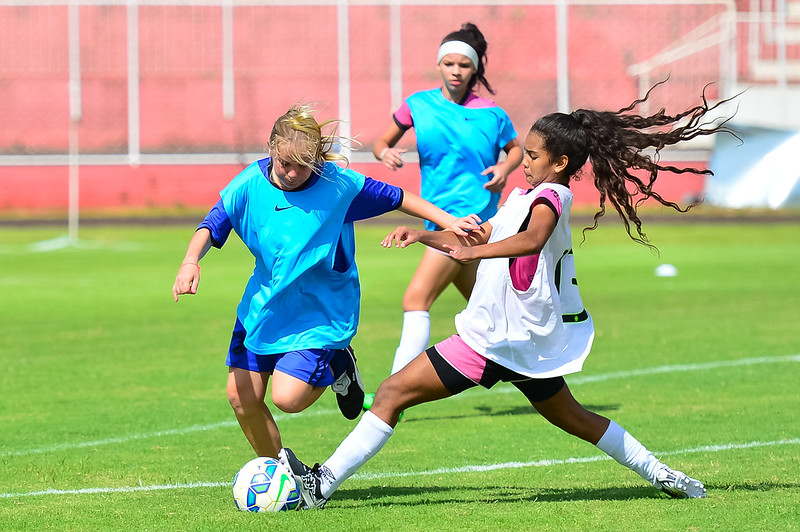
x: 246, y: 393
x: 415, y: 384
x: 434, y: 273
x: 563, y: 411
x: 291, y: 394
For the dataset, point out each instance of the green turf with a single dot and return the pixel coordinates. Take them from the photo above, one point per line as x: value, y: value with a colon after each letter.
x: 111, y: 389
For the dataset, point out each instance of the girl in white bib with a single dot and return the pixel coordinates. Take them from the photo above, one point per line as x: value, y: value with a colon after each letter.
x: 525, y: 322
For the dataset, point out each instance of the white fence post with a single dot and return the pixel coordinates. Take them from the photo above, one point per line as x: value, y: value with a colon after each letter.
x: 562, y: 57
x: 134, y: 126
x: 343, y: 29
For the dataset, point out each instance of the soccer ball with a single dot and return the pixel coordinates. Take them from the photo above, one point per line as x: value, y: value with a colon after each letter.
x: 265, y: 485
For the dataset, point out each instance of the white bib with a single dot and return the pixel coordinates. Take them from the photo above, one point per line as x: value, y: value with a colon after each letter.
x: 543, y: 331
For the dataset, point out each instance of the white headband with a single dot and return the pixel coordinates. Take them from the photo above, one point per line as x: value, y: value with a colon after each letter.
x: 458, y: 47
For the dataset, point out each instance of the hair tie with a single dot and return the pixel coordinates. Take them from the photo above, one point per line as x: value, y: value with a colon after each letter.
x: 458, y: 47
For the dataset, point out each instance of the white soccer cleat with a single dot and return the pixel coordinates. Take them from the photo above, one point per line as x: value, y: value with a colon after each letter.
x: 678, y: 485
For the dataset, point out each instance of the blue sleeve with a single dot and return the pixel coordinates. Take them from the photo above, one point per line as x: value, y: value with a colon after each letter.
x: 375, y: 198
x: 218, y: 223
x: 507, y: 131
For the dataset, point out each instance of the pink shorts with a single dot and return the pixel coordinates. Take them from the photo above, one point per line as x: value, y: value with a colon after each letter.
x: 460, y: 367
x: 463, y: 358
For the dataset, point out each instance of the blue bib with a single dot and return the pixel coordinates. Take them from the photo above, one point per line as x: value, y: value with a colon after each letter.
x: 455, y: 145
x: 296, y: 298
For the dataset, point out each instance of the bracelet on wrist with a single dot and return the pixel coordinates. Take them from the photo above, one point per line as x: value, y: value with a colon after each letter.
x: 383, y: 152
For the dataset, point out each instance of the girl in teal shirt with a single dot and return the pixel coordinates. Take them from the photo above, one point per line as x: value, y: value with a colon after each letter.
x: 459, y: 139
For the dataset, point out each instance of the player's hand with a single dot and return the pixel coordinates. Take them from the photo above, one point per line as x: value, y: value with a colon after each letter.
x: 498, y: 180
x: 392, y: 158
x: 187, y: 280
x: 463, y: 226
x: 401, y: 237
x: 462, y: 254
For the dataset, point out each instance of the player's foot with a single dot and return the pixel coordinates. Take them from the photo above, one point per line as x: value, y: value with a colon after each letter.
x: 308, y: 479
x: 349, y: 389
x: 678, y: 485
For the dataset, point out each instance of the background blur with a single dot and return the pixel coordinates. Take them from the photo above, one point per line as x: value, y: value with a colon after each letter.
x: 156, y: 104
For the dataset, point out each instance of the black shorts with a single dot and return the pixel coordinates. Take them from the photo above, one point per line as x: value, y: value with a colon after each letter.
x: 456, y: 382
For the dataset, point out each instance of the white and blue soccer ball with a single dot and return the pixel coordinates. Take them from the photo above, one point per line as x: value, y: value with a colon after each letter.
x: 265, y: 485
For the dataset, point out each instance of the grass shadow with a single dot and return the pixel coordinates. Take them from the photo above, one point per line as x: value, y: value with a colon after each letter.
x: 379, y: 496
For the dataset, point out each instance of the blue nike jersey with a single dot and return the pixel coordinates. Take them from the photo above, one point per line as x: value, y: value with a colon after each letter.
x: 456, y: 144
x: 304, y: 291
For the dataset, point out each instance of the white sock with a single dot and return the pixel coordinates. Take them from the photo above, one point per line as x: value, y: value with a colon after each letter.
x: 414, y: 338
x: 364, y: 442
x: 625, y: 449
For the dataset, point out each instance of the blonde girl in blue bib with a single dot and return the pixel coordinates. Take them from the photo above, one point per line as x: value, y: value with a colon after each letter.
x: 299, y: 312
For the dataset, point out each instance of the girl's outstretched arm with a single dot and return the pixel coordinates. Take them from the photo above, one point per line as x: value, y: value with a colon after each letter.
x: 188, y: 277
x: 528, y: 242
x: 416, y: 206
x: 441, y: 240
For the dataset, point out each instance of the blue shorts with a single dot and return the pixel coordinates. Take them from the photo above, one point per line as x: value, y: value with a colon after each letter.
x: 317, y: 367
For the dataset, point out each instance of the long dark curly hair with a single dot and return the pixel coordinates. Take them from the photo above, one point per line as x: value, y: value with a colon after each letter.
x: 621, y: 141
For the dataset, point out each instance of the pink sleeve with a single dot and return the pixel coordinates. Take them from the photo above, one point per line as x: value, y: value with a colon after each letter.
x: 550, y: 197
x: 474, y: 101
x: 403, y: 116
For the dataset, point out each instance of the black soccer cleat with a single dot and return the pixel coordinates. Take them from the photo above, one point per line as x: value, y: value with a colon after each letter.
x: 308, y: 480
x: 349, y: 389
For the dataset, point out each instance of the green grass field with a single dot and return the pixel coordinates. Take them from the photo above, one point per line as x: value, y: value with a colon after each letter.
x: 113, y: 414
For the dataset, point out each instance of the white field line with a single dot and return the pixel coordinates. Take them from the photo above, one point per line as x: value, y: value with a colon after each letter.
x: 573, y: 380
x: 576, y: 460
x: 156, y: 434
x: 387, y: 475
x: 583, y: 379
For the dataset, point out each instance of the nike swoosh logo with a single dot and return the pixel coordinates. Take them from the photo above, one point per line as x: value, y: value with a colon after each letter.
x: 282, y: 208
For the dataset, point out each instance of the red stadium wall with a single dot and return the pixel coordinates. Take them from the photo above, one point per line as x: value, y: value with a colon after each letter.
x: 181, y: 93
x: 125, y: 187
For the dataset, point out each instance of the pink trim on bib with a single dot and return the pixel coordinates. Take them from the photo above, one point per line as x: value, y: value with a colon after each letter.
x: 523, y: 269
x: 473, y: 101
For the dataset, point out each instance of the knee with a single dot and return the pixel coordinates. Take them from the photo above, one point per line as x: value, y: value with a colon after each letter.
x: 288, y: 403
x: 389, y: 398
x: 240, y: 402
x: 417, y: 299
x: 244, y: 398
x: 413, y: 301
